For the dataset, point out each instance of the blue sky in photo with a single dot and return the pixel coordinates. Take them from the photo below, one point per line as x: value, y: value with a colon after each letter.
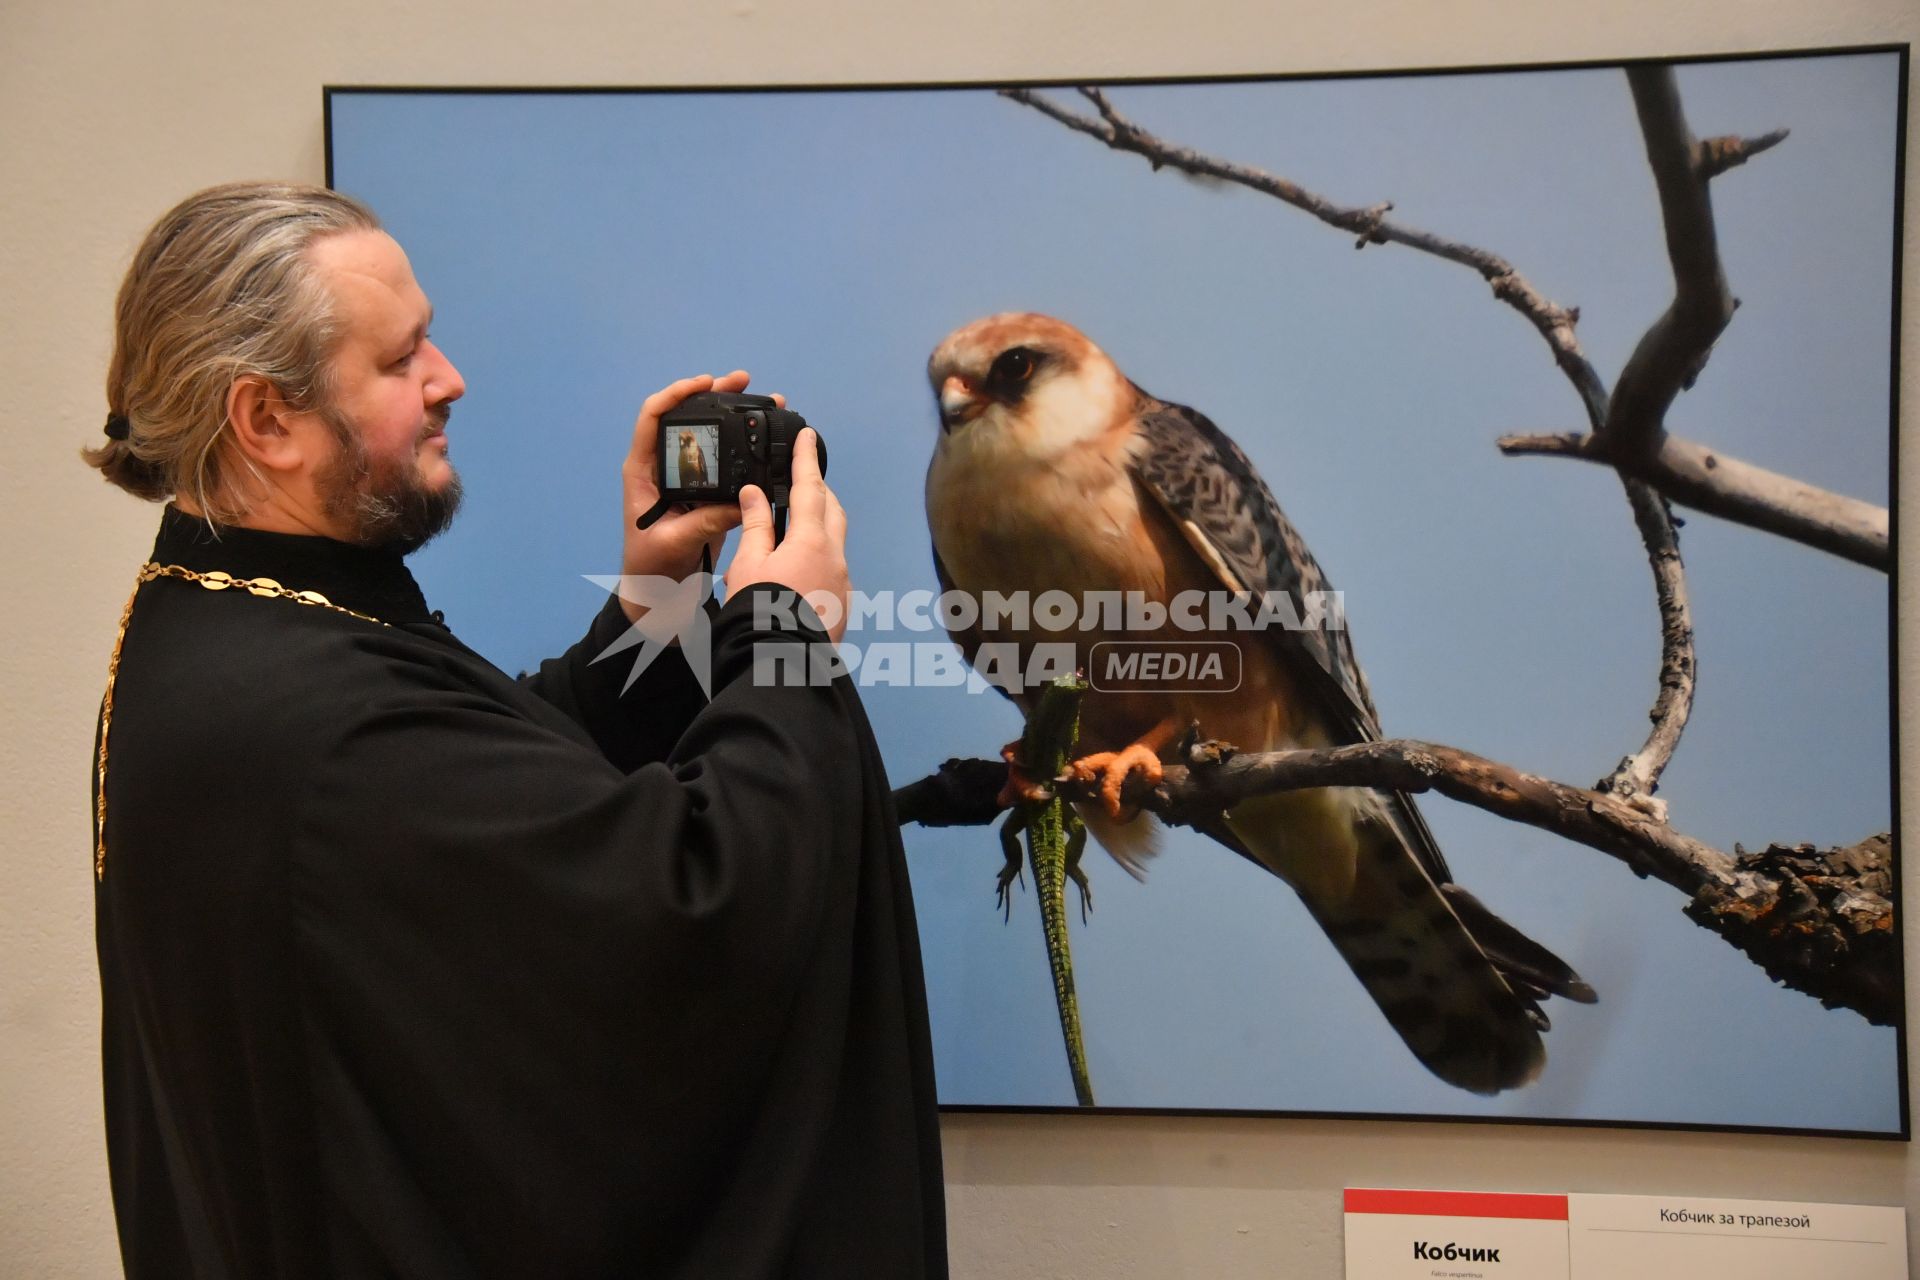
x: 583, y: 250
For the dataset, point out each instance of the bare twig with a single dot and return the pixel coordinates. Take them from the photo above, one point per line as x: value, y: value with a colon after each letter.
x: 1368, y: 223
x: 1688, y: 473
x: 1639, y: 774
x: 1711, y: 481
x: 1674, y: 350
x: 1714, y: 156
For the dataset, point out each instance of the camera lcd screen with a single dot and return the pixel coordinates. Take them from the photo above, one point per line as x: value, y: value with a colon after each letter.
x: 692, y: 456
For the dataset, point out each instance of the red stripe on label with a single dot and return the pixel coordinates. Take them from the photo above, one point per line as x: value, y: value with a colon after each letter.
x: 1458, y: 1204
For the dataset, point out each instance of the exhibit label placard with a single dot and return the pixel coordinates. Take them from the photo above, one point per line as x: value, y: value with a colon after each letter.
x: 1459, y: 1235
x: 1683, y: 1238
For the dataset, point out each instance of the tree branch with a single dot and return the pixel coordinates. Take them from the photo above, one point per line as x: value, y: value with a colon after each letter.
x: 1639, y: 774
x: 1668, y: 357
x: 1370, y: 224
x: 1673, y: 351
x: 1820, y: 923
x: 1217, y: 777
x: 1719, y: 484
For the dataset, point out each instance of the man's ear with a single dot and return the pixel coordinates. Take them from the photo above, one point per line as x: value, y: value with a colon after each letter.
x: 271, y: 434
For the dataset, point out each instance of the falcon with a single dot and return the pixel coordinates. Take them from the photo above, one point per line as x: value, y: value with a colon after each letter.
x: 1054, y: 472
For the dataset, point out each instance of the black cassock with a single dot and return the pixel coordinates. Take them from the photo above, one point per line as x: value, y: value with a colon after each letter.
x: 412, y: 969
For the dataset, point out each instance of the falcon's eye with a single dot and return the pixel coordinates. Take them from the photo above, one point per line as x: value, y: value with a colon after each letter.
x: 1013, y: 367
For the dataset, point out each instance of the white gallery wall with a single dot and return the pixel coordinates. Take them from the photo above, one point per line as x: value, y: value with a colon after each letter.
x: 109, y: 112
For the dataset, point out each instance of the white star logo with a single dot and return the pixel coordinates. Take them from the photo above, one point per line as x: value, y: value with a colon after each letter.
x: 672, y: 611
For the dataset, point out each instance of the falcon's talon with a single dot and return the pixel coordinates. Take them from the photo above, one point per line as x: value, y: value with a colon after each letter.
x: 1021, y: 787
x: 1111, y: 769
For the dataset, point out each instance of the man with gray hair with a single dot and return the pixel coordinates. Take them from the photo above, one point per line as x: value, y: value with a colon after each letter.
x: 410, y: 968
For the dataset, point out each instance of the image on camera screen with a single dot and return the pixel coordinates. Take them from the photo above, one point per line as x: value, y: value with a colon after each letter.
x: 692, y: 456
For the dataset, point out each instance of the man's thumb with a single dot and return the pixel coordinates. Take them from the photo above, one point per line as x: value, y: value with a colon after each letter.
x: 756, y: 525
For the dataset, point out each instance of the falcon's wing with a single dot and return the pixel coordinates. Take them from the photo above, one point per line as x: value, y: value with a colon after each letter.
x: 1225, y: 511
x: 1228, y: 516
x: 1213, y: 495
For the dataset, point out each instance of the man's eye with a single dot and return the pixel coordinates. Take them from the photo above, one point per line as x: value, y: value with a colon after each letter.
x: 407, y: 359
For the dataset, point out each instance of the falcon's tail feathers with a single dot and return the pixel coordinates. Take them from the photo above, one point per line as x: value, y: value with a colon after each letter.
x: 1401, y: 937
x: 1523, y: 961
x: 1422, y: 967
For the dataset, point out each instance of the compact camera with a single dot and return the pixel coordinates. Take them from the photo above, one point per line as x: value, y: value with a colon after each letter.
x: 713, y: 443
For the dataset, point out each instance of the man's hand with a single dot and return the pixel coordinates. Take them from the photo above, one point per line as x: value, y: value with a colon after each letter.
x: 812, y: 558
x: 671, y: 548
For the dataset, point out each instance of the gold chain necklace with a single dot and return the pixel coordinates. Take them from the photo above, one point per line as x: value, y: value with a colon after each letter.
x: 214, y: 581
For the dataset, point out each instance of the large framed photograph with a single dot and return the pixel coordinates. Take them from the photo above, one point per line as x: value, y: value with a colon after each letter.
x: 1540, y: 422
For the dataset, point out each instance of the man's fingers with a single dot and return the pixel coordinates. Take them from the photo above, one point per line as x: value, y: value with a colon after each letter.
x: 809, y: 494
x: 673, y: 393
x: 806, y: 456
x: 646, y: 427
x: 756, y: 526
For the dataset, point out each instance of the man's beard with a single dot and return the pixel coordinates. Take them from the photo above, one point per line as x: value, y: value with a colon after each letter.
x: 387, y: 506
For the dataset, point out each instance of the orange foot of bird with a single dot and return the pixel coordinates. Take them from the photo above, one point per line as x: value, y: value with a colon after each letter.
x: 1021, y: 787
x: 1111, y: 768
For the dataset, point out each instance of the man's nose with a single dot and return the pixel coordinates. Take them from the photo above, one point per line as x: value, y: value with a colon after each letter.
x: 446, y: 381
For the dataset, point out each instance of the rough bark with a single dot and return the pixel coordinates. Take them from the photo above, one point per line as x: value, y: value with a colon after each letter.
x: 1817, y: 920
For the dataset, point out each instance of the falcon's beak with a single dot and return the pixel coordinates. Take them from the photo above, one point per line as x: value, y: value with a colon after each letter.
x: 959, y: 402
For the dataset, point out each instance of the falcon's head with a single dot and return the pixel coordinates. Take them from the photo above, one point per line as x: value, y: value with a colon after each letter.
x: 1026, y: 383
